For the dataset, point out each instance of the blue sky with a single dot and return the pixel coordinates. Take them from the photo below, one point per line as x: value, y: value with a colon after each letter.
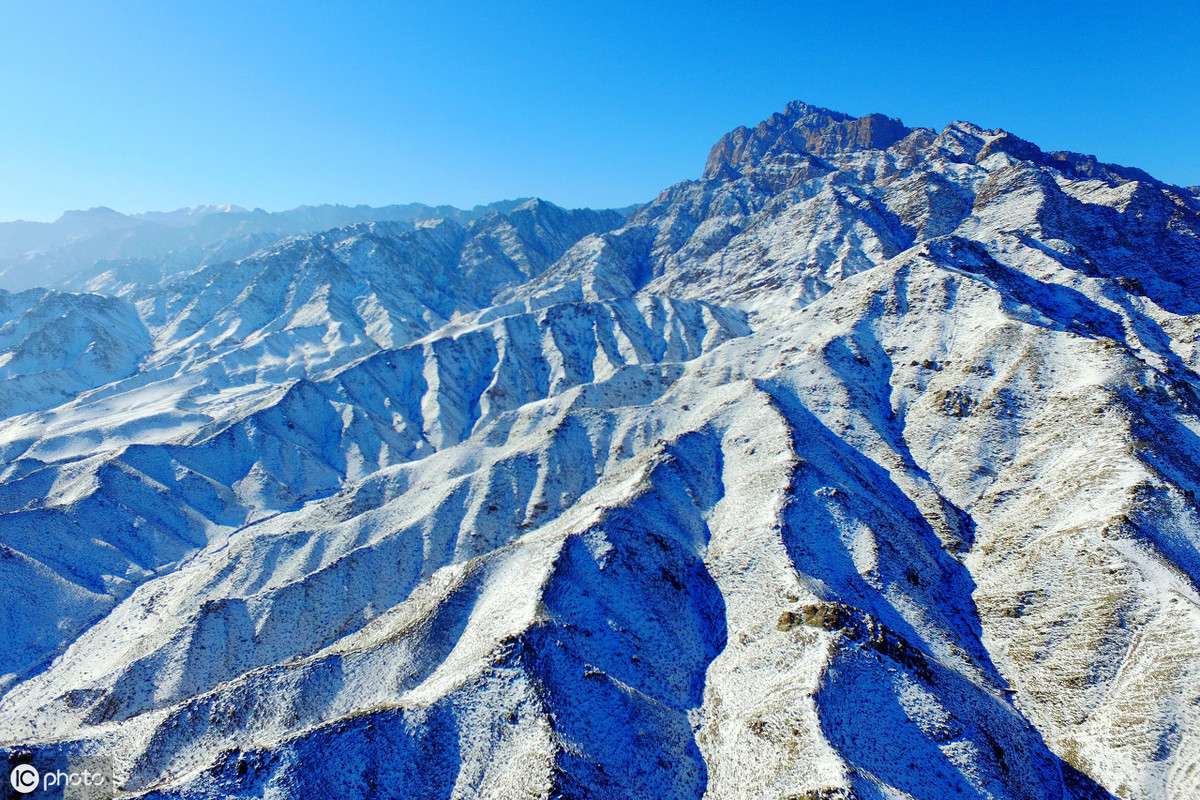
x: 159, y: 104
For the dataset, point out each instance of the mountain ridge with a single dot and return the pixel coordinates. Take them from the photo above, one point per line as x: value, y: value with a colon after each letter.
x: 862, y: 466
x: 74, y: 251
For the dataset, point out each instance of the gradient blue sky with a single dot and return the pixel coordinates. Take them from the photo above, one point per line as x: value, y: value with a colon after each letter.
x: 159, y: 104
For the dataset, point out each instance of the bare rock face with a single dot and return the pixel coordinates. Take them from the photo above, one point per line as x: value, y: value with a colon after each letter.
x: 863, y: 466
x: 801, y: 130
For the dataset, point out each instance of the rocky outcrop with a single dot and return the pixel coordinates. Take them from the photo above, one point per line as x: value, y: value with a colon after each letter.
x: 801, y: 130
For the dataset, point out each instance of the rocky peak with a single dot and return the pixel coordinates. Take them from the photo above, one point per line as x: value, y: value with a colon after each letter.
x: 800, y: 130
x: 1072, y: 165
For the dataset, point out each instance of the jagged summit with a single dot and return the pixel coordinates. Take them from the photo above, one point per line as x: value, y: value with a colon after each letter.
x: 803, y: 131
x: 800, y: 130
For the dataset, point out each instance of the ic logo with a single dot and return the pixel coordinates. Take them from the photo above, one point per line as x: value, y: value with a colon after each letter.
x: 24, y: 778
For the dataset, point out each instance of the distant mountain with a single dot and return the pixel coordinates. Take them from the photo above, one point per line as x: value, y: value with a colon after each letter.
x: 863, y: 466
x: 188, y: 216
x: 101, y: 249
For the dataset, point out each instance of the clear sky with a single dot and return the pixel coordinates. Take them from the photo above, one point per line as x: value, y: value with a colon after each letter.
x: 156, y: 104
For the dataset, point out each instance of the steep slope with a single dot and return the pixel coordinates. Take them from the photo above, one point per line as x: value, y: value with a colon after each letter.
x: 150, y: 504
x: 226, y: 335
x: 175, y: 437
x: 864, y: 466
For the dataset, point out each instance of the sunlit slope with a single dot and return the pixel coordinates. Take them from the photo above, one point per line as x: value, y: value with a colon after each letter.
x: 864, y: 466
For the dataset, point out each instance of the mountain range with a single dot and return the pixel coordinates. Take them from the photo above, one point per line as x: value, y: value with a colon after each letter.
x: 105, y: 250
x: 863, y: 466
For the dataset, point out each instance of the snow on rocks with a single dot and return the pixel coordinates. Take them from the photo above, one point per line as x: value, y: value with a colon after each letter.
x: 865, y: 465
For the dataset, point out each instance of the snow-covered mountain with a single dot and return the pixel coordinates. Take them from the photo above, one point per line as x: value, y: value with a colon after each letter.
x: 863, y: 466
x: 102, y: 250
